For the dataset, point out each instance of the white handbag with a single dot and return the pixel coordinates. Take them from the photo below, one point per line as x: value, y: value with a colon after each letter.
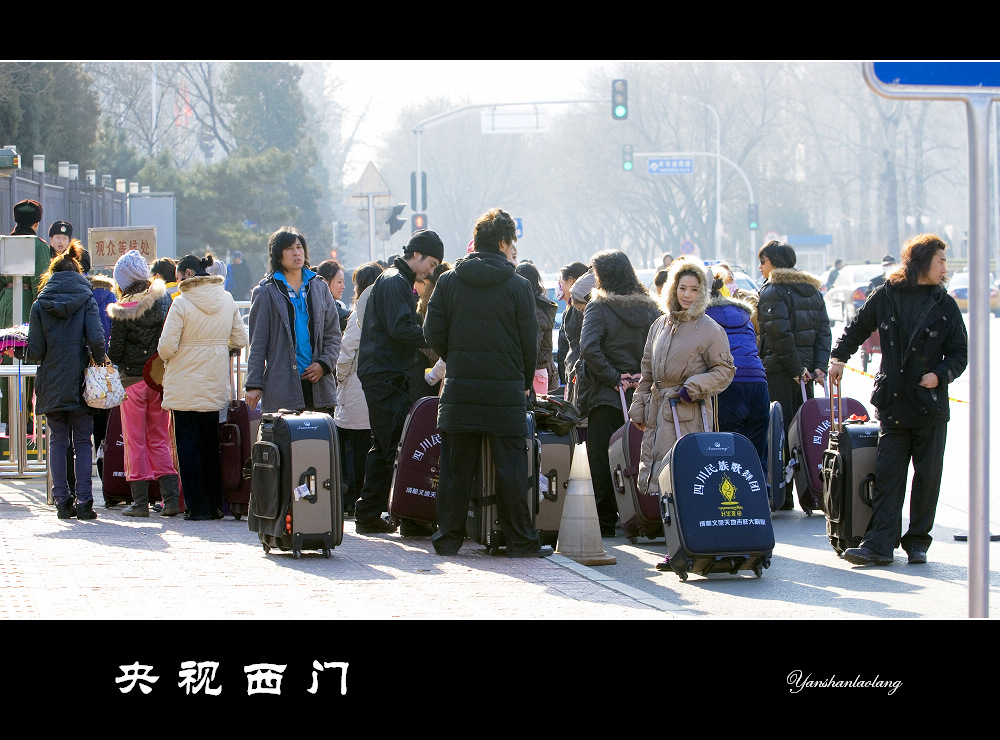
x: 102, y: 387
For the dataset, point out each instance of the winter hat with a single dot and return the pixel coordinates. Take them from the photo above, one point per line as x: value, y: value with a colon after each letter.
x: 426, y: 243
x: 61, y: 227
x: 27, y: 213
x: 888, y: 260
x: 218, y: 267
x: 580, y: 292
x: 237, y: 255
x: 130, y: 269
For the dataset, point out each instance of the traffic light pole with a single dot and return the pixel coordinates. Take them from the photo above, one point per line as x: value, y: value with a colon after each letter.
x: 463, y: 110
x: 720, y: 158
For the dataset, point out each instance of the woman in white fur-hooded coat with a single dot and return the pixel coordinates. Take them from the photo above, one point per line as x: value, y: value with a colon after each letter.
x: 686, y: 357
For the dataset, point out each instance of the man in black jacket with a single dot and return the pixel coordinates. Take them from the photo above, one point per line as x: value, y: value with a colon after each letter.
x: 481, y: 321
x: 390, y: 334
x: 924, y: 348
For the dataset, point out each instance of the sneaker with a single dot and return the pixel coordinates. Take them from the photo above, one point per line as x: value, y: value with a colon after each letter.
x: 168, y: 511
x: 608, y: 531
x: 379, y: 525
x: 865, y: 556
x: 916, y: 556
x: 411, y: 528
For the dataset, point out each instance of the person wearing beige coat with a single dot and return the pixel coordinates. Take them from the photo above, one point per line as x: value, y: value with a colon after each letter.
x: 686, y: 357
x: 203, y: 327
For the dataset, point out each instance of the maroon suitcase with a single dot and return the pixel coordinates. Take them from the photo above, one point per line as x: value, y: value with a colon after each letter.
x: 639, y: 511
x: 808, y: 439
x: 418, y: 466
x: 234, y: 454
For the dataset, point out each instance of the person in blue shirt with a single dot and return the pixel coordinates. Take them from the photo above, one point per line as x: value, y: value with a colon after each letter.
x: 294, y: 332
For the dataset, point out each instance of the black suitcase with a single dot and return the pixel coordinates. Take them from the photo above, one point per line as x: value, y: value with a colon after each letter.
x: 295, y: 500
x: 776, y: 457
x: 483, y: 524
x: 849, y: 479
x: 714, y: 504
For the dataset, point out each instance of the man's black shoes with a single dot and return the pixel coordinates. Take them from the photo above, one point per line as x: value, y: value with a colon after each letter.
x: 864, y: 556
x: 542, y: 552
x: 916, y: 556
x: 378, y: 525
x: 411, y: 528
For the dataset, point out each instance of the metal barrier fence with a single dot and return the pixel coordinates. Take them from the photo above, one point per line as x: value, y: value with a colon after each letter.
x: 26, y: 454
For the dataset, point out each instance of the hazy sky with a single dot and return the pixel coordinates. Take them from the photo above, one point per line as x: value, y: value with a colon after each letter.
x: 394, y: 84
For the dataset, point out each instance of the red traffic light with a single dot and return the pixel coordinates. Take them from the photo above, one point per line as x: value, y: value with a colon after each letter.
x: 418, y: 221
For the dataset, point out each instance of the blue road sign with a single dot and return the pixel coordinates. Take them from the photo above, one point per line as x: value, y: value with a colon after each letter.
x: 520, y: 228
x: 938, y: 74
x: 671, y: 166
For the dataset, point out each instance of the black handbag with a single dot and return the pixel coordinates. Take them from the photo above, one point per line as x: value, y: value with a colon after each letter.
x: 556, y: 414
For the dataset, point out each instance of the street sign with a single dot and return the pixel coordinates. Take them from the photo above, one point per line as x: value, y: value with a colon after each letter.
x: 687, y: 247
x: 520, y: 227
x: 938, y: 74
x: 670, y: 166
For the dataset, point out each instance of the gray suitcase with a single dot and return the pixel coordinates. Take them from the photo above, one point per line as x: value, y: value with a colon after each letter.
x: 295, y: 501
x: 555, y: 460
x: 483, y: 524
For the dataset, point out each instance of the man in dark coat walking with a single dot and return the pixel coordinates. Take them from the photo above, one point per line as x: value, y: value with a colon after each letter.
x: 390, y: 335
x: 924, y: 348
x: 481, y: 321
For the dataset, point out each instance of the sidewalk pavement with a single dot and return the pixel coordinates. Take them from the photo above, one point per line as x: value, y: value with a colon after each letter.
x: 118, y: 568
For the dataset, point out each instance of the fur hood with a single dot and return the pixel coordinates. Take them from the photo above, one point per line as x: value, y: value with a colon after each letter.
x: 721, y: 301
x: 130, y: 310
x: 98, y: 281
x: 632, y: 309
x: 668, y: 297
x: 792, y: 276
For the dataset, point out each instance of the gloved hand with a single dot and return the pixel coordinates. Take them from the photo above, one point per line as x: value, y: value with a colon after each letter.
x: 434, y: 374
x: 684, y: 395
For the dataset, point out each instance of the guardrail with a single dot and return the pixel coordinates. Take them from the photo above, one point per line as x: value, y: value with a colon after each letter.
x: 21, y: 447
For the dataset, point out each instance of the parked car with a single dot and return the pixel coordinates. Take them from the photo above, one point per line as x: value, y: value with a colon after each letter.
x: 958, y: 288
x: 849, y: 291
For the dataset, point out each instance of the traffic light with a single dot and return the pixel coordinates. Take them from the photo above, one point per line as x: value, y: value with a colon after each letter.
x: 619, y: 99
x: 394, y: 221
x: 627, y: 157
x: 418, y: 221
x: 752, y: 212
x: 341, y: 233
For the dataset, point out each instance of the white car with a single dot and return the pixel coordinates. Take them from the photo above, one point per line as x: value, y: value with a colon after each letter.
x: 849, y: 291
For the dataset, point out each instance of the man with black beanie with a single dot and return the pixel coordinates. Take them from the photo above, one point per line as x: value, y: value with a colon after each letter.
x: 390, y: 334
x: 481, y: 321
x: 27, y: 216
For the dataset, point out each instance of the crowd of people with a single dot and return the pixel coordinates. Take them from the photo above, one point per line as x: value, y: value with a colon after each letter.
x: 478, y: 333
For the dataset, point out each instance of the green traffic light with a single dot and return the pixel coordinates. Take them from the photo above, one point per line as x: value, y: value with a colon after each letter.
x: 628, y: 165
x: 619, y: 111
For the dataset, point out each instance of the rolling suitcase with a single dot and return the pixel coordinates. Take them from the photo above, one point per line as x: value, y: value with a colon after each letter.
x: 235, y: 444
x: 849, y: 479
x: 555, y: 459
x: 716, y: 514
x: 808, y: 438
x: 483, y: 524
x: 418, y: 466
x: 638, y: 511
x: 295, y: 501
x: 776, y: 457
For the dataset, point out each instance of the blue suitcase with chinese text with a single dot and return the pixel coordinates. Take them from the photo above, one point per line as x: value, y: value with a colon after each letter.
x: 714, y: 504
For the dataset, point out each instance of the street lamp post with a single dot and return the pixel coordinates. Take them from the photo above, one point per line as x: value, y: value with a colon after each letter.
x: 718, y: 175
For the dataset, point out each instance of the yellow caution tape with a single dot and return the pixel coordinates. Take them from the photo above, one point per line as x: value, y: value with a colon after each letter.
x: 869, y: 375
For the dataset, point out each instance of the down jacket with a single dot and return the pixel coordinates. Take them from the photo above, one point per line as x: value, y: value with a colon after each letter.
x: 684, y: 349
x: 614, y: 332
x: 794, y: 326
x: 64, y: 331
x: 203, y: 326
x: 352, y: 408
x: 481, y: 321
x: 545, y: 315
x: 736, y: 317
x: 136, y: 323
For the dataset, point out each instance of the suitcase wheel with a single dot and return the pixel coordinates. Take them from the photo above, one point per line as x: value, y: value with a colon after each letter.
x: 758, y: 571
x: 297, y: 554
x: 683, y: 574
x: 267, y: 549
x: 633, y: 540
x: 327, y: 553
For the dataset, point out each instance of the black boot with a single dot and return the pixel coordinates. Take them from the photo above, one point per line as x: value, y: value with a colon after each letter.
x: 170, y: 490
x: 86, y: 510
x: 66, y: 509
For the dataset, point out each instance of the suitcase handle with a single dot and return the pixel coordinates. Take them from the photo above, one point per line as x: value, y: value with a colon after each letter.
x: 673, y: 413
x: 837, y: 423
